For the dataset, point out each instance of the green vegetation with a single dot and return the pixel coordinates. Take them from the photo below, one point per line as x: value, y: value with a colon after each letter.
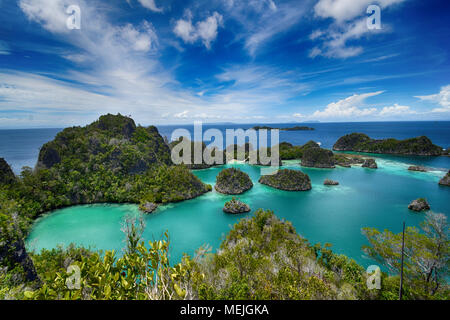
x: 233, y: 181
x: 110, y: 160
x: 421, y: 146
x: 318, y: 158
x: 235, y: 206
x: 427, y: 253
x: 288, y: 180
x: 261, y: 258
x: 291, y: 152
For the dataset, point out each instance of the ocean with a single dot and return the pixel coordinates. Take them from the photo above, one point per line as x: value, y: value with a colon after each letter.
x: 21, y: 147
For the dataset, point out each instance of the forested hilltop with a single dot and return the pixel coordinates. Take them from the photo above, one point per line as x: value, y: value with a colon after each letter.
x: 111, y: 160
x: 420, y: 146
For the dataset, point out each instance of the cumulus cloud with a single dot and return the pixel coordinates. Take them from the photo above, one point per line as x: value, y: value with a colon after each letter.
x: 206, y: 31
x: 442, y: 98
x: 396, y: 110
x: 345, y: 10
x: 348, y: 107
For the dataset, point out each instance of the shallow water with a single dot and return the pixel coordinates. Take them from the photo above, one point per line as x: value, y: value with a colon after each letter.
x: 364, y: 198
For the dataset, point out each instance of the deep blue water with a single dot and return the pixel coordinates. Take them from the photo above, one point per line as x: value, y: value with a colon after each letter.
x: 21, y: 147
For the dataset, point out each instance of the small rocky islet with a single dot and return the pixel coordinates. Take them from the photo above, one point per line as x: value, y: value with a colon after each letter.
x: 329, y: 182
x: 445, y: 181
x: 287, y: 180
x: 418, y: 168
x: 233, y: 181
x: 419, y: 205
x: 235, y: 206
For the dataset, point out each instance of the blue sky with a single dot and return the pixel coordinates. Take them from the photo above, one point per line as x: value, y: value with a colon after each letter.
x: 264, y: 61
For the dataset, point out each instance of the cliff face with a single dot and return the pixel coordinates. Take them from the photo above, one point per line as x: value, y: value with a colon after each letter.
x: 114, y: 141
x: 6, y: 174
x: 288, y: 180
x: 318, y: 158
x: 359, y: 142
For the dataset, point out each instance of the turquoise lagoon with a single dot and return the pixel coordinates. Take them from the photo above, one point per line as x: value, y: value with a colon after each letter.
x: 364, y: 198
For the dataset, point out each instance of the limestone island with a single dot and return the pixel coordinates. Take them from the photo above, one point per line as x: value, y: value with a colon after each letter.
x: 370, y: 163
x: 287, y: 180
x: 418, y: 168
x: 419, y: 205
x: 233, y: 181
x: 445, y: 181
x: 235, y: 206
x: 329, y: 182
x: 318, y: 158
x: 110, y: 160
x: 296, y: 128
x: 359, y: 142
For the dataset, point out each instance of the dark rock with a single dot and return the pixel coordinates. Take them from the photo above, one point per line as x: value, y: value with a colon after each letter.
x: 347, y: 160
x: 370, y: 163
x: 445, y: 181
x: 417, y: 168
x: 288, y: 180
x: 235, y: 206
x: 48, y: 156
x: 329, y: 182
x: 148, y: 207
x: 13, y: 253
x: 233, y: 181
x: 318, y: 158
x: 419, y: 205
x: 421, y: 146
x: 6, y: 174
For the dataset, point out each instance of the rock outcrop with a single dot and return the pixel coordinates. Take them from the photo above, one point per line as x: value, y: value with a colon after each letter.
x: 370, y: 163
x: 347, y: 160
x: 233, y: 181
x: 421, y: 146
x: 148, y: 207
x: 318, y: 158
x: 329, y: 182
x: 445, y: 181
x: 288, y: 180
x: 235, y: 206
x: 419, y: 205
x: 418, y: 168
x: 6, y: 174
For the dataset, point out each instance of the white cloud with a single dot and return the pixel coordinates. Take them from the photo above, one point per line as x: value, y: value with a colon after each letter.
x: 345, y: 10
x: 348, y: 107
x: 336, y: 37
x: 183, y: 114
x: 49, y: 13
x: 150, y: 4
x: 442, y: 98
x: 263, y: 20
x: 396, y: 110
x: 205, y: 31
